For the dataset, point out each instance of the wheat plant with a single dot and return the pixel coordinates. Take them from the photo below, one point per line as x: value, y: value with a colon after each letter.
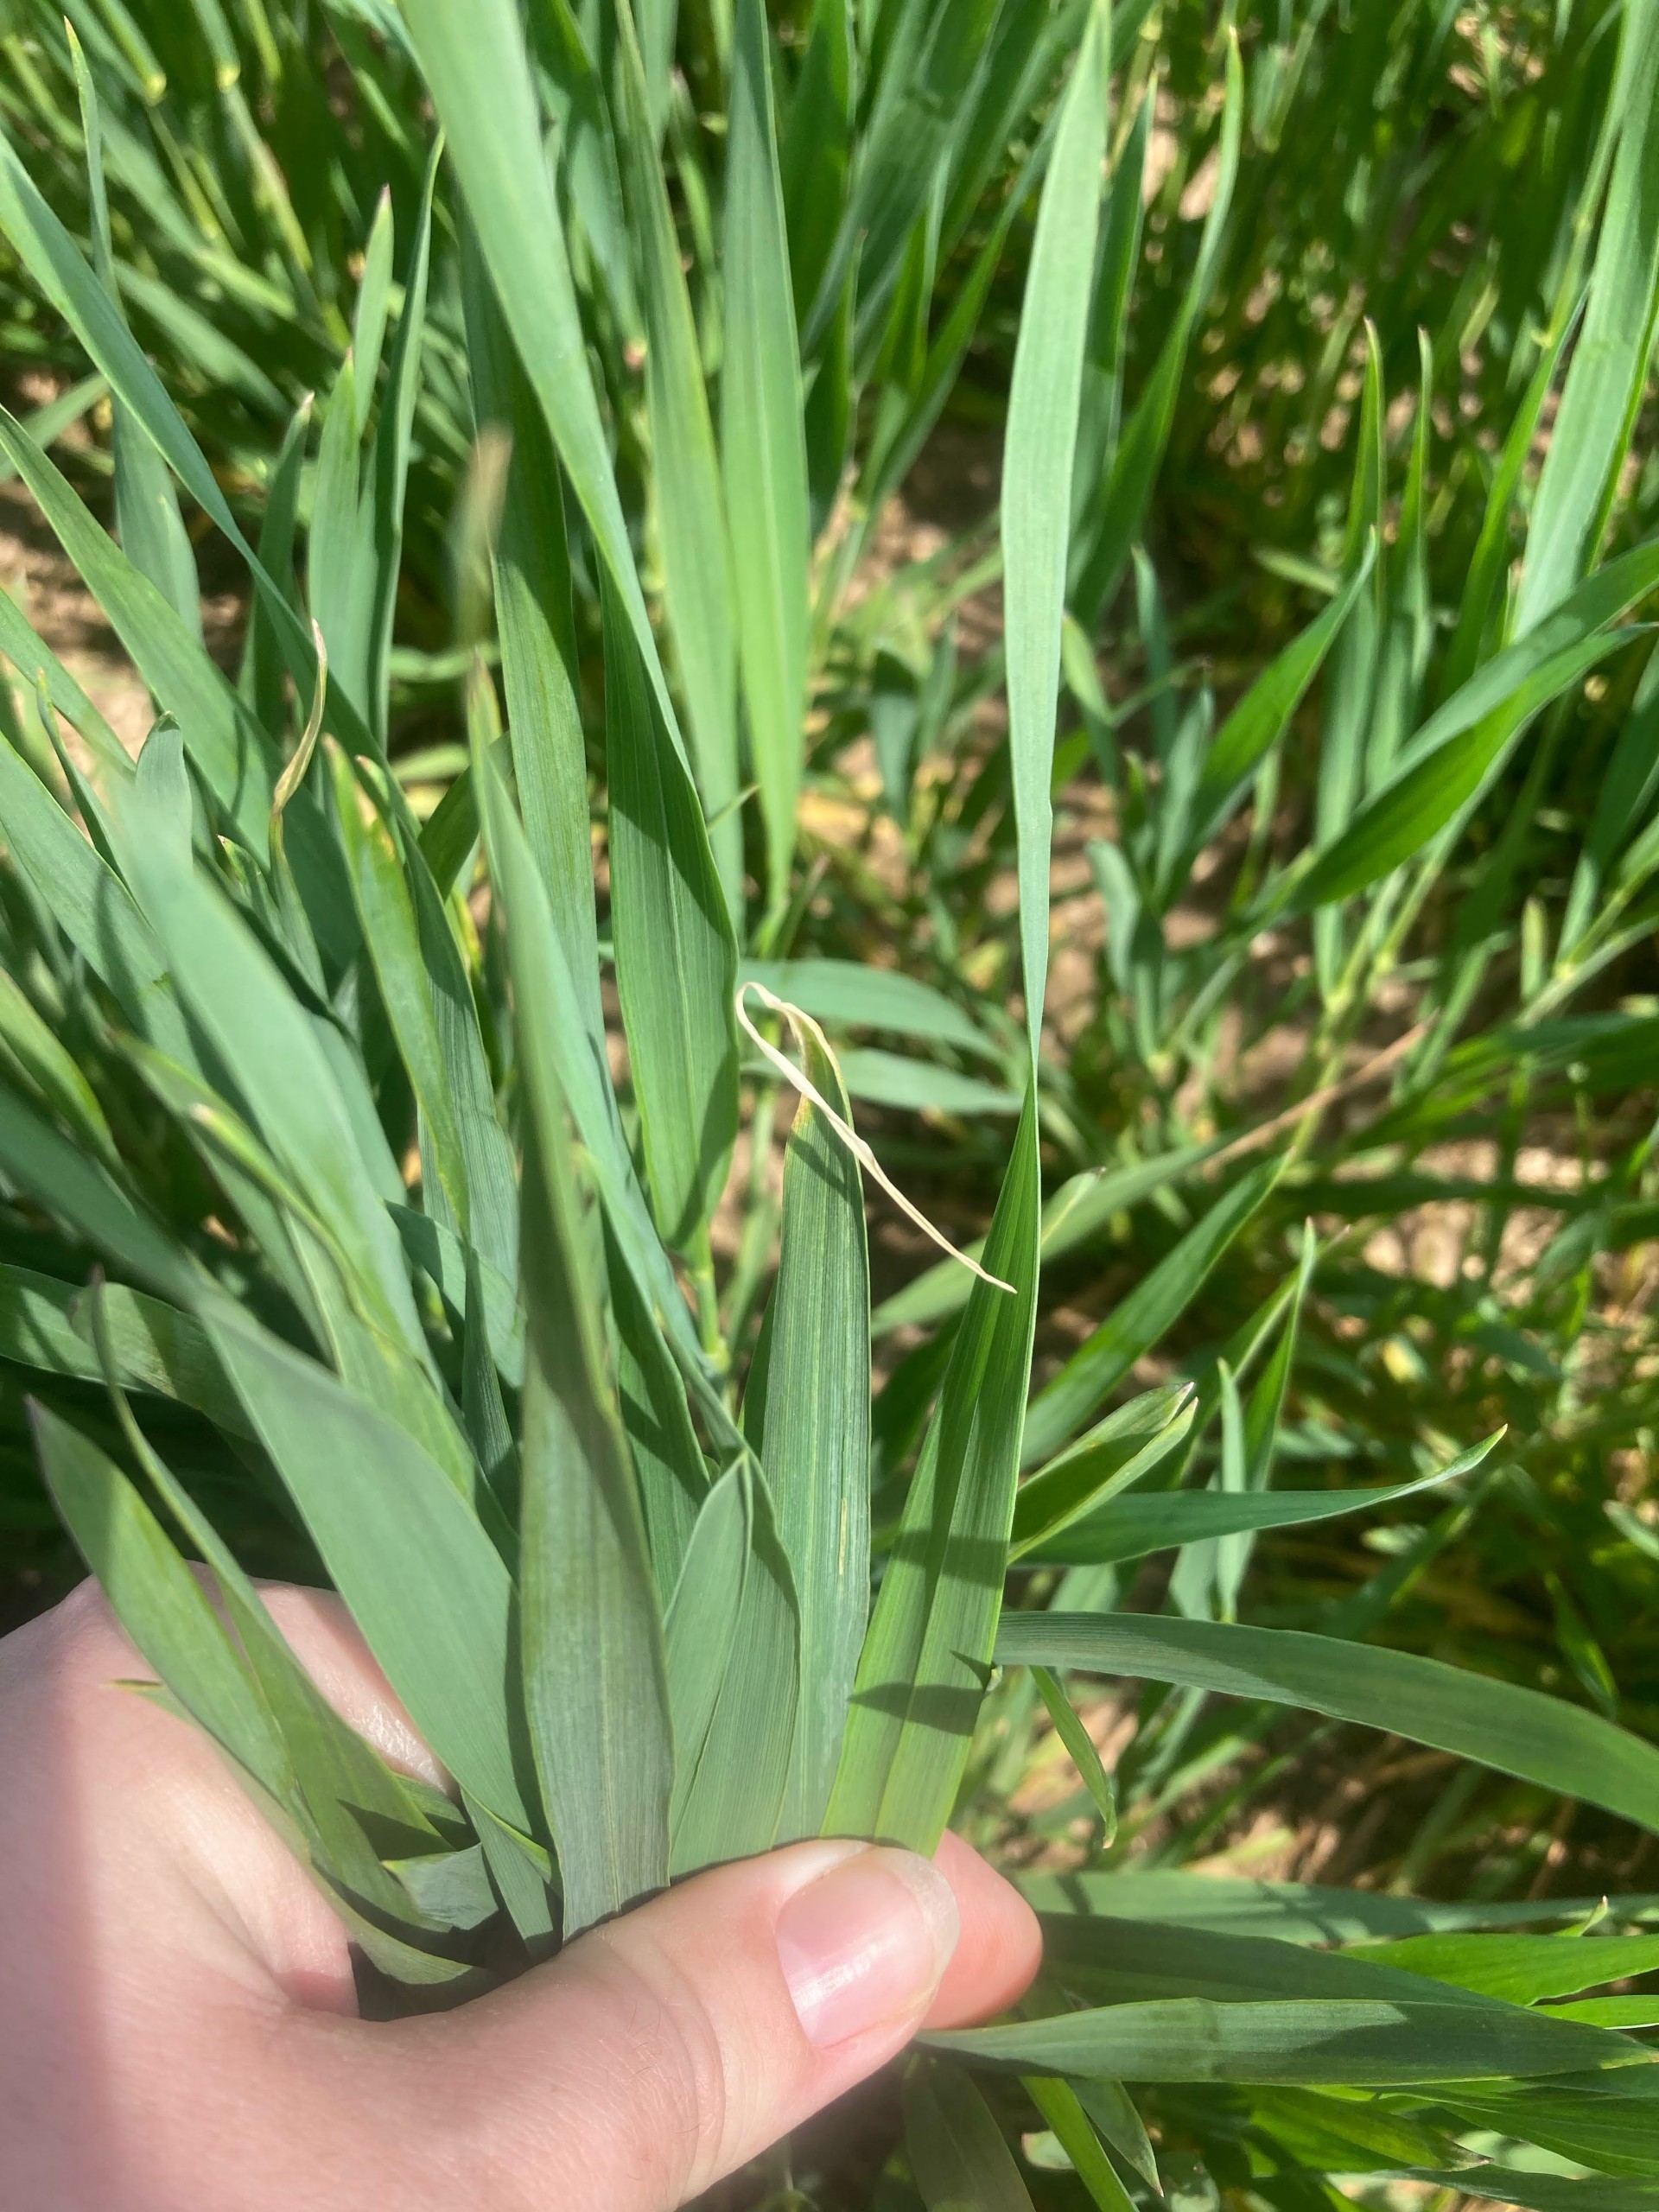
x: 327, y: 1197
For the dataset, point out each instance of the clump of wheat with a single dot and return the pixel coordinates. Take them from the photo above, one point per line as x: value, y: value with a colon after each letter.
x: 324, y: 1087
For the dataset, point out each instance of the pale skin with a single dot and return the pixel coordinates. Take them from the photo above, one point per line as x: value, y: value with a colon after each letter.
x: 179, y: 2031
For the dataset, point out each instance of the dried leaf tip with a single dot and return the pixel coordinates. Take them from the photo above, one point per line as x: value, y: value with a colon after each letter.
x: 802, y: 1025
x: 293, y: 774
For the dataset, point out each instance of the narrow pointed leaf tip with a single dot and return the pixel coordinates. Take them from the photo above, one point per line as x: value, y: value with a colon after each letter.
x: 1041, y: 447
x: 802, y: 1025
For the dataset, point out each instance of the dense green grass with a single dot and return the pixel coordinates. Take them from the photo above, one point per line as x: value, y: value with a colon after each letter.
x: 1329, y: 426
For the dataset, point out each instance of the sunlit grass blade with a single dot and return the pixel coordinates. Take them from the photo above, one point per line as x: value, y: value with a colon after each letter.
x: 701, y: 1626
x: 521, y: 1874
x: 763, y: 451
x: 957, y: 2154
x: 1058, y: 2102
x: 920, y: 1086
x: 1101, y: 416
x: 1435, y: 784
x: 668, y: 1460
x: 1347, y: 704
x: 577, y: 100
x: 260, y: 678
x: 922, y: 1669
x: 1408, y: 624
x: 1521, y: 1969
x: 483, y: 1408
x: 1131, y: 1527
x: 1559, y: 1746
x: 147, y: 521
x: 1083, y: 1751
x: 1042, y: 439
x: 226, y: 744
x: 585, y: 1079
x: 675, y: 958
x: 1105, y: 1959
x: 921, y: 1675
x: 1247, y: 1468
x: 297, y: 1241
x: 392, y: 941
x: 1624, y: 801
x: 286, y: 1078
x: 1260, y: 717
x: 1354, y: 2042
x: 1481, y: 596
x: 1145, y: 435
x: 1100, y: 1363
x: 1538, y: 2192
x: 815, y: 1448
x: 340, y: 1778
x: 339, y: 550
x: 423, y: 1582
x: 1302, y: 1912
x: 429, y: 998
x: 158, y: 1601
x: 387, y: 471
x: 34, y: 659
x: 1607, y: 374
x: 56, y: 266
x: 30, y: 1048
x: 536, y: 624
x: 1113, y: 2113
x: 596, y: 1686
x: 1454, y: 755
x: 373, y: 304
x: 1076, y: 1211
x: 815, y: 150
x: 480, y: 81
x: 735, y: 1798
x: 1070, y: 1494
x: 154, y: 1347
x: 846, y: 992
x: 79, y: 1191
x: 691, y: 501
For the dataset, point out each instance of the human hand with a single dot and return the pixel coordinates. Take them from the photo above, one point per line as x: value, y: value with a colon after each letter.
x: 178, y: 2027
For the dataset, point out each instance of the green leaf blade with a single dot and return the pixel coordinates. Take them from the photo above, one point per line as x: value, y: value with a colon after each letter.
x: 675, y: 958
x: 763, y: 448
x: 1561, y: 1747
x: 816, y: 1444
x: 925, y: 1656
x: 1043, y: 409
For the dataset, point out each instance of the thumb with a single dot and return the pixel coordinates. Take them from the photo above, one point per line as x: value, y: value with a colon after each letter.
x: 666, y: 2049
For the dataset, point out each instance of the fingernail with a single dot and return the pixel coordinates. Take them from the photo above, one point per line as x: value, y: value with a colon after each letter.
x: 867, y: 1943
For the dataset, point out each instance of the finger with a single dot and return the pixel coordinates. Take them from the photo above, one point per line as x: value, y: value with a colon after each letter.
x: 330, y: 1646
x: 154, y: 1933
x: 142, y: 1828
x: 665, y: 2049
x: 1000, y: 1946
